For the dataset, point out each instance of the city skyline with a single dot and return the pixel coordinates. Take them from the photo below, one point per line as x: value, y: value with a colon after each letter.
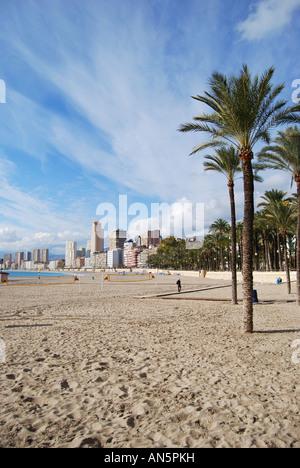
x: 117, y: 238
x: 95, y: 244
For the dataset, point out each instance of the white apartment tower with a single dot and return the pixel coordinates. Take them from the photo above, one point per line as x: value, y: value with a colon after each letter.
x: 71, y: 253
x: 97, y: 241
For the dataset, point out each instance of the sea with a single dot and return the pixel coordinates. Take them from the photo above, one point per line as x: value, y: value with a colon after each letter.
x: 35, y: 274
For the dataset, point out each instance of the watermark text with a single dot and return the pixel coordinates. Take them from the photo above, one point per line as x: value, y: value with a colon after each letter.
x: 2, y: 351
x: 2, y: 92
x: 296, y: 93
x: 179, y: 219
x: 296, y: 353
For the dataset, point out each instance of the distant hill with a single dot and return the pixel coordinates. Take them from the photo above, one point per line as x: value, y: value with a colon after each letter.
x: 56, y: 257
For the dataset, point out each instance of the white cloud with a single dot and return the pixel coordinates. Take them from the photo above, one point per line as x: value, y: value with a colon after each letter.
x: 22, y: 240
x: 267, y: 17
x: 8, y: 235
x: 32, y: 222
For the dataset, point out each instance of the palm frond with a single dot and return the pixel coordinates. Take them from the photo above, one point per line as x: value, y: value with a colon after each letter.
x: 244, y: 110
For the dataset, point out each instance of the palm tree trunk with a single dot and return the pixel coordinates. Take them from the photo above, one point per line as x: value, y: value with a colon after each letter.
x: 233, y: 243
x: 248, y: 243
x: 256, y: 255
x: 269, y: 256
x: 298, y: 240
x: 222, y: 259
x: 279, y: 250
x: 241, y: 253
x: 287, y: 266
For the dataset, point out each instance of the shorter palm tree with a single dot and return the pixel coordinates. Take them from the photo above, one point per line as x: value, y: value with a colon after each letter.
x: 271, y: 197
x: 262, y: 227
x: 220, y: 227
x: 283, y: 217
x: 284, y: 155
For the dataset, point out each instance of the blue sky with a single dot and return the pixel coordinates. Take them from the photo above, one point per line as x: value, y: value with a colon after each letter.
x: 95, y: 93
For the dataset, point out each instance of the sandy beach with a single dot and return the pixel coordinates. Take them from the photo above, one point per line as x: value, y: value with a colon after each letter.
x: 86, y: 367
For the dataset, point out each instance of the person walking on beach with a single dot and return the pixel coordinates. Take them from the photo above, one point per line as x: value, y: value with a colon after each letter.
x: 179, y: 285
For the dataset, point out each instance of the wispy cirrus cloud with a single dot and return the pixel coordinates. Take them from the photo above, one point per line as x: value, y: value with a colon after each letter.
x: 123, y: 111
x: 267, y: 17
x: 28, y: 211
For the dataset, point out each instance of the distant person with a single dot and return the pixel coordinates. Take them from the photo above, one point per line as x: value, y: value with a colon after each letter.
x: 179, y: 285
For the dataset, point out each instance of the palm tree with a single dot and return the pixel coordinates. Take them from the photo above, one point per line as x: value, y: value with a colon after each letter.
x: 262, y: 226
x: 284, y: 155
x: 239, y: 235
x: 272, y: 197
x: 220, y: 227
x: 283, y: 216
x: 227, y: 162
x: 208, y: 252
x: 216, y: 241
x: 244, y: 110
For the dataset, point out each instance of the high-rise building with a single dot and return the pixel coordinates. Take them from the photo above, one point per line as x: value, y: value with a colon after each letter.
x: 129, y: 245
x: 142, y: 259
x: 79, y: 262
x: 19, y: 257
x: 117, y: 239
x: 151, y: 238
x: 99, y: 260
x: 131, y: 258
x: 81, y: 252
x: 36, y: 255
x: 7, y: 259
x: 27, y: 257
x: 97, y: 241
x: 115, y: 258
x: 53, y: 265
x: 88, y: 249
x: 45, y: 256
x: 71, y: 253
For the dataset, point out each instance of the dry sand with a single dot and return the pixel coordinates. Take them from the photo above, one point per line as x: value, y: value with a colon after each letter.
x: 91, y: 368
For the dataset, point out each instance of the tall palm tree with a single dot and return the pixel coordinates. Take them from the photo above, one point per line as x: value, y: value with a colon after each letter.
x: 244, y: 109
x: 283, y: 216
x: 239, y: 235
x: 284, y: 155
x: 227, y: 162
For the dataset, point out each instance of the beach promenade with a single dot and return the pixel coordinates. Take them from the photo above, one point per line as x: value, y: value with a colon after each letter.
x: 90, y: 364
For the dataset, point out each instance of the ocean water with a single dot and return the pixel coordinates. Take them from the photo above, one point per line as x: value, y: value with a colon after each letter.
x: 35, y: 274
